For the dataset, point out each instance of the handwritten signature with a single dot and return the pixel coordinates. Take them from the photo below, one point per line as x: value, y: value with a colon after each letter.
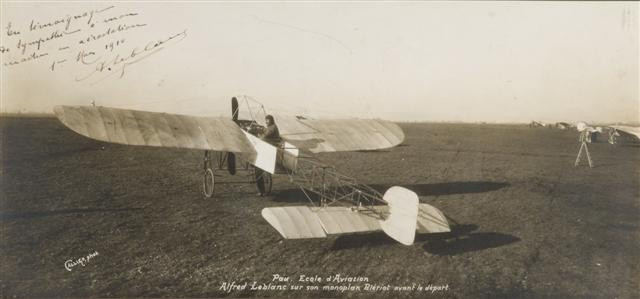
x: 68, y: 264
x: 107, y: 67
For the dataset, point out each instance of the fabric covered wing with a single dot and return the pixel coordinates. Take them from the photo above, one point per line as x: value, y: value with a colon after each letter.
x: 335, y: 135
x: 133, y: 127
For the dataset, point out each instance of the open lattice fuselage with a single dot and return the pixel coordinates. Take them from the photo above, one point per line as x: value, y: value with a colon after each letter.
x: 340, y: 204
x: 322, y: 184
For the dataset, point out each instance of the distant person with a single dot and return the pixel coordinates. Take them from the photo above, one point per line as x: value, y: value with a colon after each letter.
x: 613, y: 133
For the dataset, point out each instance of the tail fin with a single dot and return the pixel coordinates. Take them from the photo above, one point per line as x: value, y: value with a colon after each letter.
x: 403, y: 214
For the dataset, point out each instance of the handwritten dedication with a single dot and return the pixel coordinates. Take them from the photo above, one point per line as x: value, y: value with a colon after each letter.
x: 96, y: 43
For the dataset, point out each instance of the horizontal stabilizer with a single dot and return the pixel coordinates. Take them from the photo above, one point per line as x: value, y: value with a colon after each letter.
x: 294, y: 222
x: 431, y: 220
x: 344, y: 220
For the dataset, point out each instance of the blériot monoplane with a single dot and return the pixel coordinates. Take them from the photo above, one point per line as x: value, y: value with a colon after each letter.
x: 338, y: 204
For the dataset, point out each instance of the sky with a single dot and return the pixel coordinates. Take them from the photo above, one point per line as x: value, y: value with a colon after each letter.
x: 404, y: 61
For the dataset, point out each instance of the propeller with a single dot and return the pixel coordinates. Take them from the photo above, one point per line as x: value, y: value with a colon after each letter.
x: 231, y: 157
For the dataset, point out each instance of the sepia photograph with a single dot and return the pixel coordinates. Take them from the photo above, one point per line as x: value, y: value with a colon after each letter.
x: 319, y: 149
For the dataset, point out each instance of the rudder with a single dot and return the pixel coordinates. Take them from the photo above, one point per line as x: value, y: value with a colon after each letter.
x: 403, y: 214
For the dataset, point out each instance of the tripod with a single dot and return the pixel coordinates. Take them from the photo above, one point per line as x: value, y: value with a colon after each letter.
x: 583, y: 139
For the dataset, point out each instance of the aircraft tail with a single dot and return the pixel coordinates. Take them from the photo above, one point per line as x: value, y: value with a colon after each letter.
x: 403, y: 214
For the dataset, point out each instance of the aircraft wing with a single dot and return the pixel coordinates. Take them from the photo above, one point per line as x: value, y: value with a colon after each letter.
x: 335, y: 135
x: 635, y: 131
x: 133, y: 127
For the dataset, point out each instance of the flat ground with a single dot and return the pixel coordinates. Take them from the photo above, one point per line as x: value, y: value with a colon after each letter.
x: 528, y: 222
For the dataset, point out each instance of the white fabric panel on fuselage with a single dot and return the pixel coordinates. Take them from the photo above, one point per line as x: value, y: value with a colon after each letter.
x: 264, y: 156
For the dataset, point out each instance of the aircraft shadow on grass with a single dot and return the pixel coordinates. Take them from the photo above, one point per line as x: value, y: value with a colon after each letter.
x: 467, y: 243
x: 37, y: 214
x: 461, y: 239
x: 436, y: 189
x: 97, y: 146
x: 449, y: 188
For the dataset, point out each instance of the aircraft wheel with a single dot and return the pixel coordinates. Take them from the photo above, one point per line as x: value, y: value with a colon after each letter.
x: 263, y: 181
x: 208, y: 183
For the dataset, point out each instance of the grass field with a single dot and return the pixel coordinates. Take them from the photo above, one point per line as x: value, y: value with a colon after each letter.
x: 529, y: 223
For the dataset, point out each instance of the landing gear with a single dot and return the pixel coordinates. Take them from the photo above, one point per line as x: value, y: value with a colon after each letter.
x: 208, y: 178
x: 208, y: 183
x: 263, y: 181
x: 213, y: 162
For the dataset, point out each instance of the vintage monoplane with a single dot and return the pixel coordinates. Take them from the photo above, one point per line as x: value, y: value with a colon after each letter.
x: 338, y: 203
x: 628, y: 133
